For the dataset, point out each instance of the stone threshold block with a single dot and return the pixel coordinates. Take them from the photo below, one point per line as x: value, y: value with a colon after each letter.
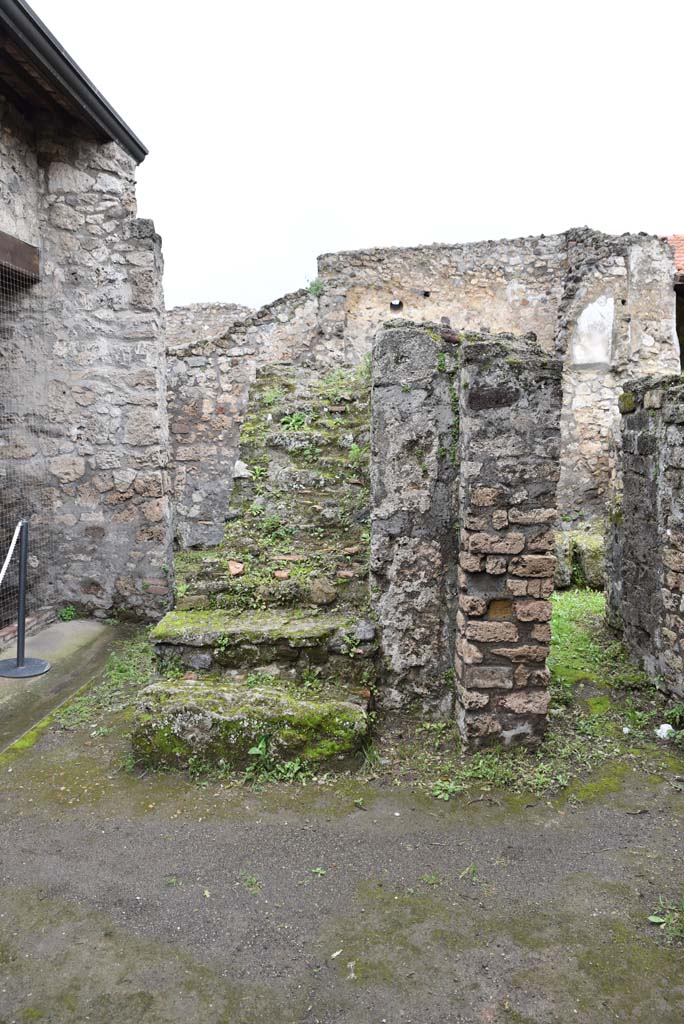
x: 465, y: 465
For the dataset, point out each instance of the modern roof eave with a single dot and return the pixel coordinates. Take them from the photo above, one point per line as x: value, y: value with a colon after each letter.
x: 51, y: 58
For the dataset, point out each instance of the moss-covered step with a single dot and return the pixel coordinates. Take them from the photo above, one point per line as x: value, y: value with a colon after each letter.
x: 220, y: 639
x: 221, y: 722
x: 239, y: 576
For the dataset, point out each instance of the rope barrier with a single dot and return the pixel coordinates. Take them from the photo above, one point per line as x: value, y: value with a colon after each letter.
x: 12, y: 546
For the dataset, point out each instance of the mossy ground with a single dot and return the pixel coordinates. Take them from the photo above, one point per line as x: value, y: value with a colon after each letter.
x: 167, y: 897
x: 602, y: 725
x: 602, y: 722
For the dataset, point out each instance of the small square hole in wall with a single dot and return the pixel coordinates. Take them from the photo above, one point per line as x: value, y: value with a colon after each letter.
x: 396, y: 305
x: 426, y: 295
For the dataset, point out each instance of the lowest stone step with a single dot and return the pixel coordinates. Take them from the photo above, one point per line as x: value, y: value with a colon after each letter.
x: 222, y: 722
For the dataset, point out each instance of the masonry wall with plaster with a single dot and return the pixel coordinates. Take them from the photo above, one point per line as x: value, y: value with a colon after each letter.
x: 93, y: 432
x: 605, y: 303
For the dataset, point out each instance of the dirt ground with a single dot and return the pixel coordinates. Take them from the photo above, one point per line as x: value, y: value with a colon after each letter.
x: 154, y: 899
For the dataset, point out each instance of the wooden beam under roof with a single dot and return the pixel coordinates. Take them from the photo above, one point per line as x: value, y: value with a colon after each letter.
x: 19, y: 256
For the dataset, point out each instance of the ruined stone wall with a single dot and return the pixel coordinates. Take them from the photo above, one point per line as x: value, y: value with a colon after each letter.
x: 646, y: 549
x: 606, y: 302
x: 97, y: 365
x: 509, y: 285
x: 616, y: 321
x: 201, y: 320
x: 208, y: 390
x: 464, y: 467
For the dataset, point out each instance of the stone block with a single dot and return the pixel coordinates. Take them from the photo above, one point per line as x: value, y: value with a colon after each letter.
x: 471, y: 699
x: 526, y: 702
x: 500, y: 608
x: 531, y: 517
x: 488, y: 677
x: 487, y: 543
x: 488, y: 632
x: 469, y: 562
x: 472, y: 605
x: 532, y: 565
x: 485, y: 497
x: 526, y: 652
x: 68, y: 468
x: 495, y: 565
x: 533, y: 611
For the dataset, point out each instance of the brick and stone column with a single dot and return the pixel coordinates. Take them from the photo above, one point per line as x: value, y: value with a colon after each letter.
x: 510, y: 402
x: 465, y: 463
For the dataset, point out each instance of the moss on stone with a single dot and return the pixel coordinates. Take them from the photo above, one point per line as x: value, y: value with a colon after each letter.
x: 627, y: 402
x: 221, y: 722
x: 220, y: 628
x: 581, y: 558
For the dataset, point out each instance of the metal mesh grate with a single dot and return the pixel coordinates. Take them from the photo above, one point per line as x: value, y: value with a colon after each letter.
x: 24, y: 442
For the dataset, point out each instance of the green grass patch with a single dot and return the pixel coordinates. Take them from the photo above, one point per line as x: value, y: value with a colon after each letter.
x: 128, y: 669
x: 669, y: 917
x: 582, y: 647
x: 602, y: 719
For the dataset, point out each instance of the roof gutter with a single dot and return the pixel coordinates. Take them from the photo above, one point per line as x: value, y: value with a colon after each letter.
x: 31, y: 34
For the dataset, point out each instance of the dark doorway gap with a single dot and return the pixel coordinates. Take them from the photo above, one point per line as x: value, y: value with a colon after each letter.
x: 679, y: 293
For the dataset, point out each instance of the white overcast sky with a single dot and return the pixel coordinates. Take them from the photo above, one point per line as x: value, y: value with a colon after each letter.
x: 280, y: 130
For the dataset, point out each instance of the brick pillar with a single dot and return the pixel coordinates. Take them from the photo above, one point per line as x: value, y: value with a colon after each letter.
x: 509, y: 409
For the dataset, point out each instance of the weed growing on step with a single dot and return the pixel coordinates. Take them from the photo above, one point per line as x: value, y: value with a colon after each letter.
x: 294, y: 421
x: 267, y: 770
x: 358, y: 457
x: 272, y: 396
x: 371, y: 756
x: 203, y: 773
x: 67, y: 614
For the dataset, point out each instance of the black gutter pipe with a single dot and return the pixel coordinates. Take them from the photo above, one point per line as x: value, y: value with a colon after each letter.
x: 26, y: 28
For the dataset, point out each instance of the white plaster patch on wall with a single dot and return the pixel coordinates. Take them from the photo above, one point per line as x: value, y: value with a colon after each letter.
x: 516, y: 291
x: 591, y: 342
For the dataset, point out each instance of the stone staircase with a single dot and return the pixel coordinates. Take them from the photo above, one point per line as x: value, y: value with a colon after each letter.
x: 271, y: 646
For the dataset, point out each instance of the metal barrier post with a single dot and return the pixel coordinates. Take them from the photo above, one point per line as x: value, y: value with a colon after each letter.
x: 23, y: 667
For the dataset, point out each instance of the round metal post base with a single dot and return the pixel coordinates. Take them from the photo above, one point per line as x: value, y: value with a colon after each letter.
x: 31, y: 667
